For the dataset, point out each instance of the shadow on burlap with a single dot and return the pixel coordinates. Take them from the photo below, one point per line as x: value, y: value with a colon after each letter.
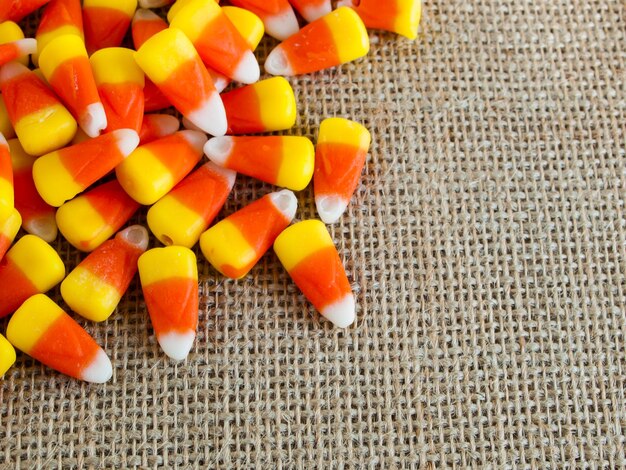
x: 486, y: 246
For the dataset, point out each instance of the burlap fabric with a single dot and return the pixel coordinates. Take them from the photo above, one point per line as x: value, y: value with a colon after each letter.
x: 486, y: 246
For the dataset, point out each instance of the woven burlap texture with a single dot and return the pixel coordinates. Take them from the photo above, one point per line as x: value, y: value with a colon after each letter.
x: 485, y: 245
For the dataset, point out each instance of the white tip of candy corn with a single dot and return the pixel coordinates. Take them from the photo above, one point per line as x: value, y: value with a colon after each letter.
x: 100, y: 370
x: 127, y: 140
x: 166, y: 123
x: 145, y: 15
x: 45, y: 227
x: 286, y: 202
x: 282, y: 25
x: 220, y: 82
x: 229, y: 176
x: 135, y: 235
x: 93, y: 120
x: 211, y: 116
x: 277, y: 63
x: 342, y: 313
x: 11, y: 70
x: 347, y: 3
x: 187, y: 124
x: 196, y: 139
x: 26, y: 46
x: 153, y: 3
x: 218, y: 149
x: 3, y: 140
x: 312, y: 13
x: 330, y: 208
x: 177, y: 345
x: 247, y: 70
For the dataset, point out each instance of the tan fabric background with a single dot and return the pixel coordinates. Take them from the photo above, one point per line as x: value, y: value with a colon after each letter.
x: 486, y: 246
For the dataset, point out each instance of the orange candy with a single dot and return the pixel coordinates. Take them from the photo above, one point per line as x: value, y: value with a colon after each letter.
x: 16, y: 49
x: 278, y: 17
x: 106, y: 22
x: 146, y: 24
x: 155, y: 126
x: 58, y: 18
x: 15, y: 10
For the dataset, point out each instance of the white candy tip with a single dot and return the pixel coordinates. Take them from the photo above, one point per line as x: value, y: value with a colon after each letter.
x: 166, y: 124
x: 342, y: 313
x: 100, y: 370
x: 187, y: 124
x: 196, y: 139
x: 127, y: 140
x: 135, y: 235
x: 312, y: 13
x: 177, y: 345
x: 346, y: 3
x: 11, y: 70
x: 229, y: 176
x: 3, y: 140
x: 277, y: 63
x: 45, y: 227
x: 248, y: 70
x: 282, y: 25
x: 286, y: 202
x: 93, y: 120
x: 211, y: 116
x: 145, y: 15
x: 218, y: 149
x: 330, y: 208
x: 220, y: 82
x: 26, y: 46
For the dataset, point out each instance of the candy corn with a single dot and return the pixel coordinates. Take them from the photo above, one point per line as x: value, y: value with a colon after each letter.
x: 286, y: 161
x: 180, y: 217
x: 7, y: 355
x: 6, y: 180
x: 247, y: 23
x: 155, y: 126
x: 312, y: 10
x: 334, y: 39
x: 170, y: 60
x: 399, y: 16
x: 41, y: 329
x: 92, y: 218
x: 65, y: 65
x: 16, y: 49
x: 37, y: 216
x: 6, y: 128
x: 340, y: 156
x: 169, y: 280
x: 106, y: 22
x: 15, y: 10
x: 9, y: 32
x: 154, y: 99
x: 152, y: 170
x: 41, y: 122
x: 277, y: 15
x: 120, y: 84
x: 307, y: 252
x: 59, y: 17
x: 146, y: 24
x: 234, y: 245
x: 218, y: 42
x: 8, y: 229
x: 95, y: 287
x: 30, y: 267
x: 266, y: 106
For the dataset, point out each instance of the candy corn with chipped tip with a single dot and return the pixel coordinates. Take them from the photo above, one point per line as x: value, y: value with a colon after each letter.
x: 340, y: 156
x: 152, y: 170
x: 217, y: 40
x: 312, y: 10
x: 15, y: 10
x: 286, y: 161
x: 6, y: 180
x: 59, y: 17
x: 8, y: 230
x: 41, y: 329
x: 169, y: 280
x: 9, y: 32
x: 334, y: 39
x: 398, y: 16
x: 95, y: 287
x: 307, y: 252
x: 155, y: 126
x: 7, y: 355
x: 41, y: 122
x: 14, y: 50
x: 278, y: 17
x: 146, y: 24
x: 65, y: 65
x: 37, y: 216
x: 170, y: 60
x: 61, y: 175
x: 180, y: 217
x: 106, y: 22
x: 234, y: 245
x: 6, y: 128
x: 93, y: 217
x: 266, y: 106
x: 120, y: 84
x: 30, y: 267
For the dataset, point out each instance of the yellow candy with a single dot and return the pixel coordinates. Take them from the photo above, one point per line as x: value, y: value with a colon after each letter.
x: 6, y: 128
x: 125, y: 70
x: 9, y: 32
x: 8, y: 229
x: 7, y: 355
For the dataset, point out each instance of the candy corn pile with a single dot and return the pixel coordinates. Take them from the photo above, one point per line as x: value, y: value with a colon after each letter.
x: 79, y: 154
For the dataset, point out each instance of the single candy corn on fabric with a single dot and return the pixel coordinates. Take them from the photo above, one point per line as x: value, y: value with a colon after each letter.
x: 169, y: 280
x: 106, y: 22
x: 61, y: 175
x: 152, y: 170
x: 30, y: 267
x: 120, y: 84
x: 6, y: 180
x: 334, y: 39
x: 65, y: 65
x: 180, y: 217
x: 94, y: 288
x: 9, y: 32
x: 146, y: 24
x: 92, y: 218
x: 17, y: 49
x: 234, y: 245
x: 41, y: 122
x: 170, y: 60
x: 41, y: 329
x: 277, y: 15
x: 266, y: 106
x: 399, y: 16
x: 217, y: 40
x: 7, y: 355
x: 58, y: 18
x: 307, y: 252
x: 312, y: 10
x: 8, y: 230
x: 286, y: 161
x: 155, y: 126
x: 15, y: 10
x: 340, y: 156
